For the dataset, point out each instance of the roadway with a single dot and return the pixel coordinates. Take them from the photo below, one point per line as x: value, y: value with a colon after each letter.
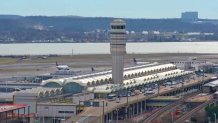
x: 112, y: 105
x: 167, y: 108
x: 189, y: 114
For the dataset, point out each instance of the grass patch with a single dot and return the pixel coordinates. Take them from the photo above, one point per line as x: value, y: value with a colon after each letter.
x: 16, y: 70
x: 7, y: 60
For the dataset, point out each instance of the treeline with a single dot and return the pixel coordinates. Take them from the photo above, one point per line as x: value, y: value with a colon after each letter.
x: 59, y: 28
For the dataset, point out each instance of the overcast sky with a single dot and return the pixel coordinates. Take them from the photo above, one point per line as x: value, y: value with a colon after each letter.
x: 111, y: 8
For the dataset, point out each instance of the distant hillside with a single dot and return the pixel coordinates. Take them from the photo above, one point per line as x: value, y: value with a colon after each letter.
x: 10, y: 16
x: 78, y: 24
x: 42, y: 27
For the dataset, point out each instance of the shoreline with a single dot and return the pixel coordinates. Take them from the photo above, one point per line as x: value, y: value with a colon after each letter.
x: 106, y: 42
x: 57, y: 55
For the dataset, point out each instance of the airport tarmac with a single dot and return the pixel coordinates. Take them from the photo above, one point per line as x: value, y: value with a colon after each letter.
x: 39, y: 65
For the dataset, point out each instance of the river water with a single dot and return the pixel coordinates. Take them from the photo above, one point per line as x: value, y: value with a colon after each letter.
x: 104, y: 48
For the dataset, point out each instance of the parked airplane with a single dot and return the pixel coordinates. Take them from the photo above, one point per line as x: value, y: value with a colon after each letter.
x: 62, y: 67
x: 138, y: 62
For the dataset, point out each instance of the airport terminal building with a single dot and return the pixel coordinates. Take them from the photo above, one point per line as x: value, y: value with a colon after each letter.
x: 99, y: 83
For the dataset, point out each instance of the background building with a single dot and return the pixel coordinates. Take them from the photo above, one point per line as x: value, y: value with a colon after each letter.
x: 189, y: 17
x: 55, y: 112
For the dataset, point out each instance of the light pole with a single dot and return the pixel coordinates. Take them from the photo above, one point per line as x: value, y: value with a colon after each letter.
x: 183, y: 90
x: 172, y: 116
x: 127, y: 103
x: 64, y: 117
x: 117, y: 114
x: 202, y: 74
x: 158, y: 88
x: 54, y: 115
x: 127, y: 96
x: 214, y: 117
x: 43, y: 120
x: 79, y: 108
x: 103, y: 113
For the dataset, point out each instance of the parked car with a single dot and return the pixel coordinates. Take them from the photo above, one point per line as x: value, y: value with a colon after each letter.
x: 111, y: 97
x: 132, y: 94
x: 149, y: 92
x: 117, y: 100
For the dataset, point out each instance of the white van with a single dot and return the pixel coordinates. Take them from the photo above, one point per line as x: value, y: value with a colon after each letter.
x: 149, y: 92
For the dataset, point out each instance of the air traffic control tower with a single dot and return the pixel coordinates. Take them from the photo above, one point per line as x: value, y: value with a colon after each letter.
x: 118, y: 49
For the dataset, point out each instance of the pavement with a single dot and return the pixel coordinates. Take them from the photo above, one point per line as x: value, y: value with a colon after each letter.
x: 36, y: 66
x: 200, y: 98
x: 142, y: 116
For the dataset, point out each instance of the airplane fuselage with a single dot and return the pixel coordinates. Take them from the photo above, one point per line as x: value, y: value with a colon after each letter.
x: 62, y: 67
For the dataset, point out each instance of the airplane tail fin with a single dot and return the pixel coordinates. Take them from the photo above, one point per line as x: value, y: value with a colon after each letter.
x: 93, y: 69
x: 56, y: 63
x: 134, y: 60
